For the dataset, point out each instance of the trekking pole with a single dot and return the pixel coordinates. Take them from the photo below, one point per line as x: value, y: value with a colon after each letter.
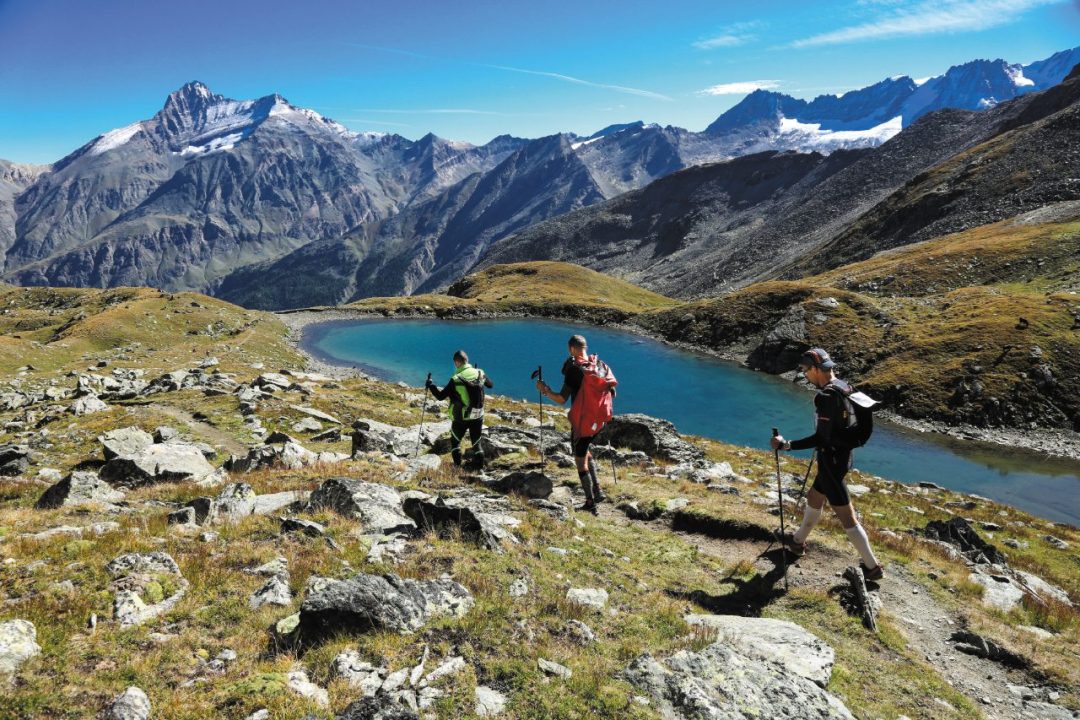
x: 613, y: 474
x: 423, y: 409
x: 538, y: 374
x: 780, y: 500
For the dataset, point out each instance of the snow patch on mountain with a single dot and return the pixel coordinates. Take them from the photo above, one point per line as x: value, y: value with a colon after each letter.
x: 224, y: 142
x: 811, y: 134
x: 115, y: 138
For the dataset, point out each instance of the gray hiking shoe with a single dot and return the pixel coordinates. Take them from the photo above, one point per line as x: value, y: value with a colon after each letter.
x: 793, y: 546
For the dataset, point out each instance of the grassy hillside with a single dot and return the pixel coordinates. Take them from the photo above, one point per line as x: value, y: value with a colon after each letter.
x: 978, y: 327
x: 56, y: 329
x: 542, y: 288
x: 714, y: 562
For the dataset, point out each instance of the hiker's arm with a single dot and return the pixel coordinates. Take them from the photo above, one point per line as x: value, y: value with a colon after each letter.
x: 487, y: 381
x: 441, y: 394
x: 825, y: 406
x: 559, y: 398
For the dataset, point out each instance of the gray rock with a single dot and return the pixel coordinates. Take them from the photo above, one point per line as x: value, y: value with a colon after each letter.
x: 378, y: 508
x: 166, y: 462
x: 87, y: 405
x: 654, y: 437
x: 594, y: 598
x: 165, y: 434
x: 18, y: 643
x: 371, y: 602
x: 553, y: 668
x: 519, y: 588
x: 316, y: 413
x: 307, y: 425
x: 272, y: 502
x: 235, y: 502
x: 14, y: 459
x: 79, y: 488
x: 783, y: 642
x: 380, y: 707
x: 1000, y: 591
x: 274, y: 592
x: 424, y: 465
x: 132, y: 573
x: 125, y: 441
x: 132, y: 704
x: 496, y: 448
x: 142, y: 564
x: 360, y: 674
x: 307, y: 527
x: 721, y: 683
x: 580, y: 632
x: 277, y: 566
x: 332, y: 435
x: 531, y: 484
x: 484, y: 520
x: 299, y: 683
x: 489, y: 703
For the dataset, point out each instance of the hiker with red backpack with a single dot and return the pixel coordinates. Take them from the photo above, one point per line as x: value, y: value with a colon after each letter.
x: 843, y: 422
x: 466, y: 392
x: 589, y: 385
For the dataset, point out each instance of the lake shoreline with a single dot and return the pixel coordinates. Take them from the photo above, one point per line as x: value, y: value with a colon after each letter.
x: 1055, y: 443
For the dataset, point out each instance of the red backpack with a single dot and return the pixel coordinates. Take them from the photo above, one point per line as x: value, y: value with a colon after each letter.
x: 591, y: 408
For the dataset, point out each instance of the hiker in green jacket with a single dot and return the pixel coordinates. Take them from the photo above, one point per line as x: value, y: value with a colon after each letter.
x: 466, y: 392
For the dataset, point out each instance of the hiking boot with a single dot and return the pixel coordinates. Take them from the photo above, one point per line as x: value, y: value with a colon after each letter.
x: 599, y: 497
x: 872, y: 575
x: 793, y: 546
x: 589, y: 507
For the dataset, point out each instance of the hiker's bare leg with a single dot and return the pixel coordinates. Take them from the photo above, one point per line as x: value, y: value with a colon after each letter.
x: 846, y: 515
x: 811, y: 515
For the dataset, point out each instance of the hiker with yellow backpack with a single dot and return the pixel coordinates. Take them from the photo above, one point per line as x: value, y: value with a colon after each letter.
x: 466, y: 392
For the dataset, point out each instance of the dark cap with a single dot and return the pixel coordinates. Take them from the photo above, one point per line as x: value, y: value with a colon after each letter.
x: 816, y: 358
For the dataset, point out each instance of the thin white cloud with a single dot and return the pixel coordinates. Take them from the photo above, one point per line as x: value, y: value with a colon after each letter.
x: 740, y: 88
x: 730, y: 36
x: 938, y: 16
x: 507, y: 68
x: 431, y: 111
x: 578, y: 81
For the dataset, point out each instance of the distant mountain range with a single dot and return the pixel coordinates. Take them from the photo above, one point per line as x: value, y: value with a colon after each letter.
x: 274, y: 206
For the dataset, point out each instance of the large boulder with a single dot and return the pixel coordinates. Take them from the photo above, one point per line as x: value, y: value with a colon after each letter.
x: 374, y: 436
x: 14, y: 459
x: 780, y: 641
x: 484, y: 519
x: 531, y: 484
x: 722, y: 682
x: 289, y: 454
x: 377, y: 507
x: 125, y: 441
x: 373, y: 602
x: 652, y: 436
x: 18, y: 643
x: 87, y: 405
x: 166, y: 462
x: 79, y: 488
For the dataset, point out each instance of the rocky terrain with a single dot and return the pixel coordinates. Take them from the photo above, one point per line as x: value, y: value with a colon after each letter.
x: 192, y: 525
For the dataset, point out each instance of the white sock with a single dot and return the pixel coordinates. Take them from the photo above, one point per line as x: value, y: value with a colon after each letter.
x: 858, y: 538
x: 811, y: 517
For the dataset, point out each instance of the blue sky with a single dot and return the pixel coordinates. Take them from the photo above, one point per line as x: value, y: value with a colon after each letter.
x: 72, y: 69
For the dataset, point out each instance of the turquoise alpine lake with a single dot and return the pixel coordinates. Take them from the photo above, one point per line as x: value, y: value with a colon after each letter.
x: 700, y: 394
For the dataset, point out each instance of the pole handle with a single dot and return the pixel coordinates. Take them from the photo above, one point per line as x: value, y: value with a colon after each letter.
x: 776, y: 432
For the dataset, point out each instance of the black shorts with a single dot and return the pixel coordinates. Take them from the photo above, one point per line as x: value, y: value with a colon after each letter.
x: 581, y: 446
x: 832, y: 467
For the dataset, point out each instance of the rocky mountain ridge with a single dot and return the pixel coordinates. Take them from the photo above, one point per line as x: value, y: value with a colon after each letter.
x: 211, y: 191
